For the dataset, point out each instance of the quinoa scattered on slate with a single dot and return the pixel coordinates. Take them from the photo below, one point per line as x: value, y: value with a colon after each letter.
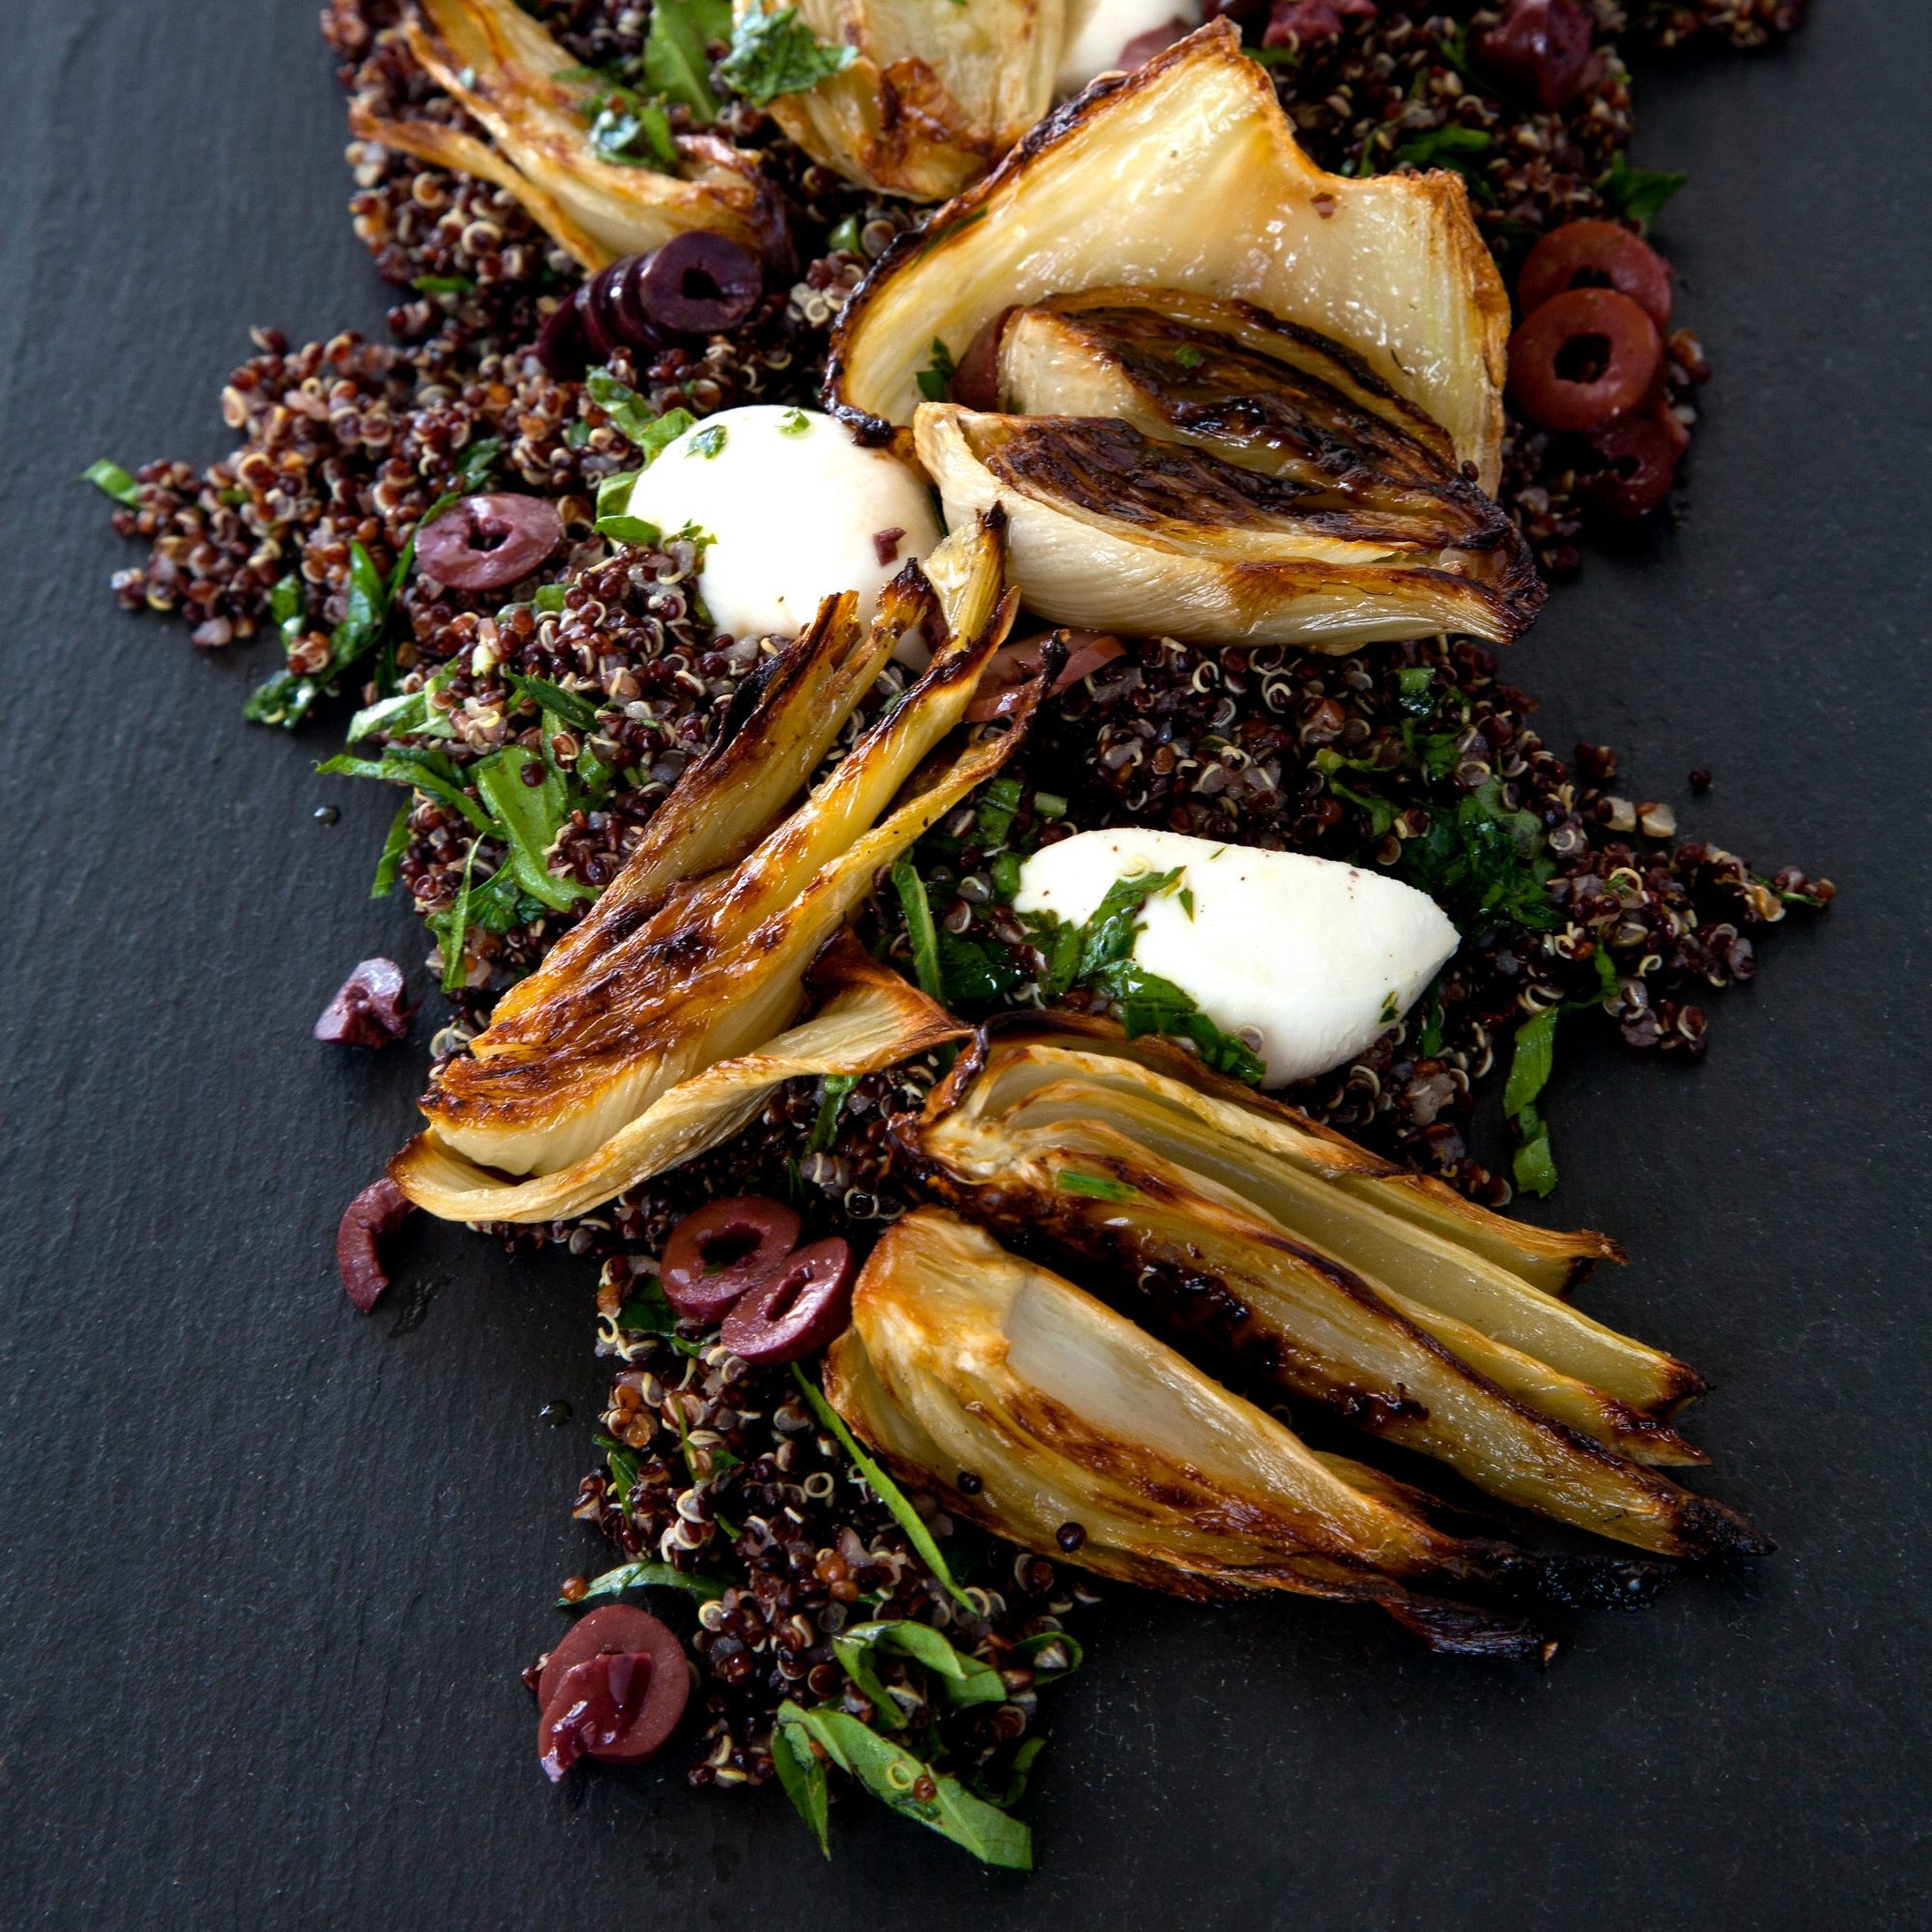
x: 1573, y: 891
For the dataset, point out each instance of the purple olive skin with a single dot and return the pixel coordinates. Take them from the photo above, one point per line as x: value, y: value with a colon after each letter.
x: 367, y: 1009
x: 562, y: 347
x: 801, y: 1310
x: 609, y: 1626
x: 486, y: 542
x: 381, y: 1209
x: 699, y: 283
x: 719, y: 1254
x: 618, y: 1706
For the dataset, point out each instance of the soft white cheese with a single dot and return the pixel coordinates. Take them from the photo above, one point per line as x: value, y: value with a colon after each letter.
x: 1096, y: 30
x: 1316, y: 957
x: 796, y: 511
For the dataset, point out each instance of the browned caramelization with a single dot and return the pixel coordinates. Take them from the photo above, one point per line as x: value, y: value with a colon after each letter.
x: 349, y: 440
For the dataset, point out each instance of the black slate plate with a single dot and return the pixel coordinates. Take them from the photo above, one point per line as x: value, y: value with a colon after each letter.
x: 272, y: 1567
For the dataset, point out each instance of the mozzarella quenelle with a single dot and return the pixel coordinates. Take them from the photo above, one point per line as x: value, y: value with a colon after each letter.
x: 795, y: 512
x: 1099, y: 32
x: 1314, y: 956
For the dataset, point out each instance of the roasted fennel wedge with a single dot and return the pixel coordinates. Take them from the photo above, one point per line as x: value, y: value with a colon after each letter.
x: 1235, y: 1223
x: 679, y: 967
x: 935, y: 93
x: 1114, y: 530
x: 1187, y: 174
x: 532, y: 101
x: 962, y: 1358
x: 1225, y: 377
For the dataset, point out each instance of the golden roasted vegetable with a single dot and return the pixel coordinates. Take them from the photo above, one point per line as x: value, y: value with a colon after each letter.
x: 1243, y: 1222
x: 691, y: 958
x: 513, y: 79
x: 938, y: 90
x: 962, y: 1358
x: 1185, y: 175
x: 1114, y: 530
x: 870, y: 1018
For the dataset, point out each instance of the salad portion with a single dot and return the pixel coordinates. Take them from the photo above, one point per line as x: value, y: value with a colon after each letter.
x: 929, y: 578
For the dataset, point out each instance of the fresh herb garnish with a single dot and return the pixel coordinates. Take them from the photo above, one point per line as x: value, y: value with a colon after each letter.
x: 451, y: 927
x: 918, y: 909
x: 1639, y: 194
x: 1189, y: 357
x: 442, y: 285
x: 631, y: 418
x: 632, y: 530
x: 794, y: 422
x: 1483, y: 862
x: 675, y: 61
x: 288, y: 696
x: 999, y: 801
x: 393, y: 848
x: 645, y: 1311
x: 910, y: 1785
x: 961, y: 1679
x: 529, y: 816
x: 775, y: 53
x: 884, y: 1488
x: 935, y: 380
x: 643, y: 1577
x: 426, y: 771
x: 570, y: 706
x: 801, y: 1774
x: 111, y: 480
x: 832, y: 1091
x: 845, y: 238
x: 549, y: 597
x: 707, y: 441
x: 1070, y: 1180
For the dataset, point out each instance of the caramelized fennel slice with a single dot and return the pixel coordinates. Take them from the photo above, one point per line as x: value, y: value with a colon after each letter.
x: 542, y: 1115
x: 509, y: 75
x: 1443, y: 1281
x: 1113, y: 531
x: 962, y: 1358
x: 871, y: 1019
x: 937, y: 93
x: 1549, y: 1259
x: 1223, y: 378
x: 1187, y: 174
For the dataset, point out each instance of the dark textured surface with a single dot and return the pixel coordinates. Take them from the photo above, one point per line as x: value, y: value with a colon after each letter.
x: 270, y: 1567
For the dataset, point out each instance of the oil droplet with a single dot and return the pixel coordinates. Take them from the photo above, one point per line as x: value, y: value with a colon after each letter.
x: 556, y: 1413
x: 328, y: 814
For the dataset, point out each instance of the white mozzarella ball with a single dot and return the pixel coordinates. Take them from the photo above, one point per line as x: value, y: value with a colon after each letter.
x: 1316, y: 956
x: 1096, y: 30
x: 796, y: 512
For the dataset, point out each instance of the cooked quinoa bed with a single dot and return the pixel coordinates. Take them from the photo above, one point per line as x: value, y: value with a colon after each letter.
x: 1417, y: 759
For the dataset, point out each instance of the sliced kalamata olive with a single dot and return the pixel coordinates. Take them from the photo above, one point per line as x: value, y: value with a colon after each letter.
x: 976, y: 380
x: 484, y: 543
x: 624, y: 281
x: 380, y: 1209
x: 723, y: 1251
x: 1017, y: 664
x: 1595, y: 253
x: 801, y: 1309
x: 562, y: 347
x: 1583, y: 358
x: 593, y: 318
x: 367, y: 1009
x: 699, y: 283
x: 1546, y: 45
x: 609, y: 1626
x: 618, y: 1707
x: 1639, y: 459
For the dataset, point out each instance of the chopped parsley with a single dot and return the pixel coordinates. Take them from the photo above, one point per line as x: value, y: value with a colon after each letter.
x: 775, y: 53
x: 707, y: 441
x: 631, y: 418
x: 1639, y: 194
x: 935, y: 380
x: 1189, y: 357
x: 794, y: 422
x: 111, y: 480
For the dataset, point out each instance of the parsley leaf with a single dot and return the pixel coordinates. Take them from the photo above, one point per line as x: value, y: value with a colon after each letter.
x: 707, y: 441
x: 530, y: 816
x: 676, y: 62
x: 631, y: 416
x: 111, y: 480
x: 935, y: 380
x: 961, y: 1679
x: 1639, y: 194
x: 393, y: 847
x: 642, y: 1576
x: 774, y: 54
x: 288, y: 696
